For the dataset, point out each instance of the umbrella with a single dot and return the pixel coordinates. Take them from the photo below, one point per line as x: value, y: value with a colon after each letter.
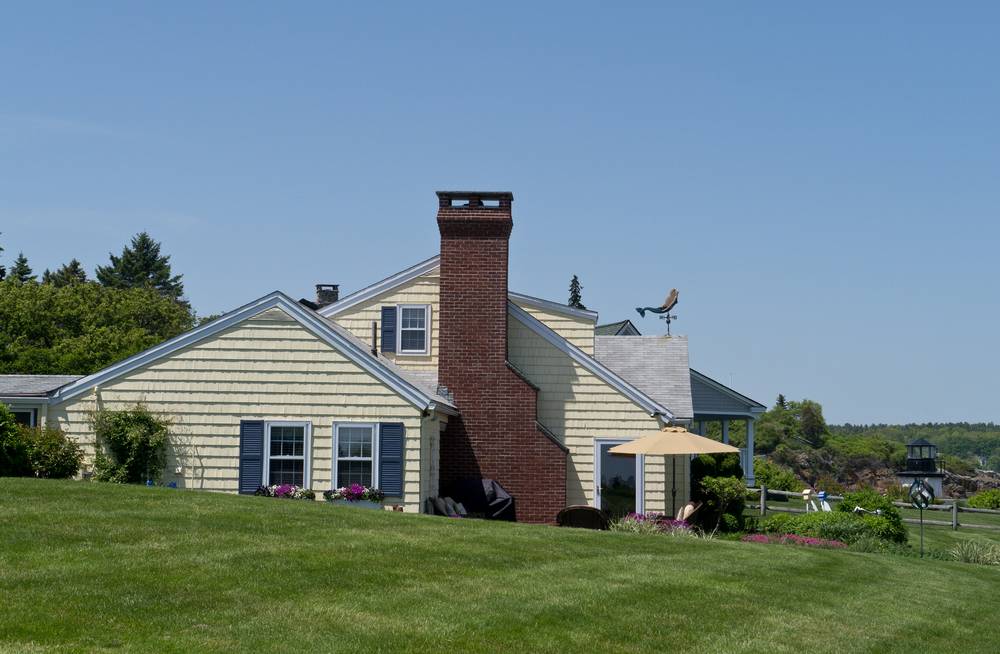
x: 672, y: 441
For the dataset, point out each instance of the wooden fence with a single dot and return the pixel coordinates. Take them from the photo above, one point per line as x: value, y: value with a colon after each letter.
x: 952, y: 507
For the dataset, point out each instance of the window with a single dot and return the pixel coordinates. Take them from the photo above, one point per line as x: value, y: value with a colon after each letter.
x: 355, y: 446
x: 24, y: 417
x: 287, y: 460
x: 413, y: 326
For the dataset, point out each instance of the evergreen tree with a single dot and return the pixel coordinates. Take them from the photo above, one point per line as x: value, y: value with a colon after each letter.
x: 575, y: 294
x: 812, y: 422
x: 69, y: 273
x: 781, y: 403
x: 142, y: 265
x: 21, y: 271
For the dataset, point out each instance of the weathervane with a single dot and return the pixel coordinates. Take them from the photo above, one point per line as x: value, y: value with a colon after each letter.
x: 662, y: 311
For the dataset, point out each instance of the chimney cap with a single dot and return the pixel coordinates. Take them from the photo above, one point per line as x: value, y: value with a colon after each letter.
x: 482, y: 195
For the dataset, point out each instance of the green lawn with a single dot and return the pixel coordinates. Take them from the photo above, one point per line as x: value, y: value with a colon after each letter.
x: 91, y: 567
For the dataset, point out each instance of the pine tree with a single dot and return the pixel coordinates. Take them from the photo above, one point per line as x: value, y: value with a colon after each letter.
x: 21, y: 271
x: 576, y: 294
x: 781, y: 403
x: 69, y: 273
x: 142, y: 265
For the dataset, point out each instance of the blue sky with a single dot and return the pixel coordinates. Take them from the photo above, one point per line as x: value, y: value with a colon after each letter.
x: 820, y: 182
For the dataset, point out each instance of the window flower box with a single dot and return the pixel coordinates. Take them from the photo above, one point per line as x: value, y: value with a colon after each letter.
x: 286, y: 491
x: 357, y: 496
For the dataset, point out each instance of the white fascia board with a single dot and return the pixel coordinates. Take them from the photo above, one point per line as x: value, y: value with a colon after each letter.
x: 378, y: 288
x: 555, y: 307
x: 647, y: 403
x: 277, y: 299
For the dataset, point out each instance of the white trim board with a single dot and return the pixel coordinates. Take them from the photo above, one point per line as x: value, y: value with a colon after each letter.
x: 647, y: 403
x: 323, y: 329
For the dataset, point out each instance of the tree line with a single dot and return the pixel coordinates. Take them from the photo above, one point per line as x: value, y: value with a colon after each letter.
x: 69, y: 323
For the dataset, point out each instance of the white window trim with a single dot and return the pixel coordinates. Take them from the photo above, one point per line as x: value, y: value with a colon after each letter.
x: 306, y: 449
x: 427, y: 330
x: 335, y: 458
x: 640, y: 473
x: 32, y: 411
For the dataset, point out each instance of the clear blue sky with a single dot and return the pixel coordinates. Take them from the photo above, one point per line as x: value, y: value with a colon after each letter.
x: 821, y: 183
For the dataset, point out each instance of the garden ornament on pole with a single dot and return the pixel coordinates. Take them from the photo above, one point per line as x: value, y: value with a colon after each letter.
x: 673, y: 442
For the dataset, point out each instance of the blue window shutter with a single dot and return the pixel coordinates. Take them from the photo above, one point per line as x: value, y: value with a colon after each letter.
x: 388, y: 329
x: 390, y: 458
x: 251, y: 455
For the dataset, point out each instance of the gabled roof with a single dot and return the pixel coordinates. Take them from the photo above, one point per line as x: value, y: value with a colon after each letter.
x: 406, y: 276
x: 549, y: 305
x: 620, y: 328
x: 714, y: 398
x: 32, y: 386
x: 657, y: 365
x: 590, y: 364
x: 336, y: 336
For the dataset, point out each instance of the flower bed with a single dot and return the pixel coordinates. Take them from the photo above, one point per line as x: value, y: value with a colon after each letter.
x: 793, y: 539
x: 355, y: 493
x: 651, y: 523
x: 286, y: 492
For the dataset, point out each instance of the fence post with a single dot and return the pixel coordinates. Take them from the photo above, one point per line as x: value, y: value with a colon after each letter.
x: 763, y: 500
x: 954, y: 515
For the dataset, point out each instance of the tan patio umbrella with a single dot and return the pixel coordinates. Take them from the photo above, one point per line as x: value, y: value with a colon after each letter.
x: 673, y: 441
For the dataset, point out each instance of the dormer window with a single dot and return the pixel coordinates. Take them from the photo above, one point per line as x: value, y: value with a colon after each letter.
x: 414, y: 322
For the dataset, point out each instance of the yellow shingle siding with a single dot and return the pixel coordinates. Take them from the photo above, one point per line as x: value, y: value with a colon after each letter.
x: 579, y: 408
x: 268, y: 367
x: 424, y: 289
x: 578, y: 331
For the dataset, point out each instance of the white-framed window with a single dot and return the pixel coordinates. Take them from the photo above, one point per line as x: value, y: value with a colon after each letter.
x: 26, y: 417
x: 355, y: 454
x: 286, y: 449
x: 413, y: 334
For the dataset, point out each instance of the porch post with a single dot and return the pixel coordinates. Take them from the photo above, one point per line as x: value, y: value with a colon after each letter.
x: 748, y: 471
x: 725, y: 430
x: 701, y: 427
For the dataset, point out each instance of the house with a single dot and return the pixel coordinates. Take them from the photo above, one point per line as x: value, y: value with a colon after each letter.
x: 436, y: 374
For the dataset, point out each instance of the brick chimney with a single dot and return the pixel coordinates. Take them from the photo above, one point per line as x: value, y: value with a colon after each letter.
x: 327, y: 294
x: 496, y: 436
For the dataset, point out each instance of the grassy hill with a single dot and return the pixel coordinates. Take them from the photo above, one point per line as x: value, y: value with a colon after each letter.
x: 90, y: 567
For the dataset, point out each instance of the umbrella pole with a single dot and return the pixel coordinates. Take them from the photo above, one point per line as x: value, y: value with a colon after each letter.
x: 673, y: 484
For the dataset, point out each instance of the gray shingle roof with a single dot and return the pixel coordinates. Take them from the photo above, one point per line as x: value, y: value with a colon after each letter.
x: 620, y: 328
x: 32, y: 385
x: 656, y: 365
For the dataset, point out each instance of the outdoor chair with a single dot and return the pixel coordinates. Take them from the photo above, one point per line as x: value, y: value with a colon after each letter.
x: 583, y: 517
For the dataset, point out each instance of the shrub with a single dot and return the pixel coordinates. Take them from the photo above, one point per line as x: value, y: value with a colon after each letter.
x: 131, y: 445
x: 52, y: 455
x: 888, y: 525
x: 14, y: 461
x: 846, y: 527
x: 971, y: 551
x: 724, y: 497
x: 987, y: 499
x: 774, y: 476
x: 792, y: 539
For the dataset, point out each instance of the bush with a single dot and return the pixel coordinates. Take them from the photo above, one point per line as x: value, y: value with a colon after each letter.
x: 14, y: 461
x: 52, y: 455
x: 774, y: 476
x: 888, y: 525
x: 972, y: 551
x: 846, y: 527
x: 651, y: 523
x: 724, y: 498
x: 131, y: 445
x: 987, y: 499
